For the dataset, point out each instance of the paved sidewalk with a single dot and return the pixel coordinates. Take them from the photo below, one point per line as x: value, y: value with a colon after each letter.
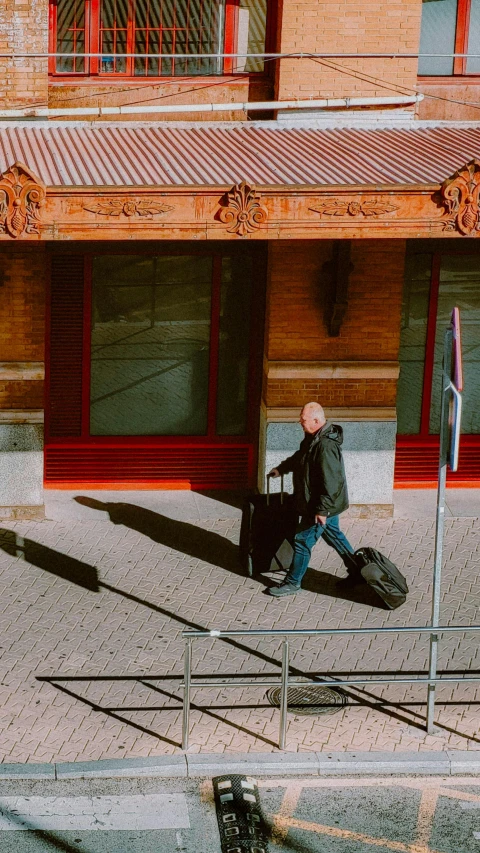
x: 95, y: 598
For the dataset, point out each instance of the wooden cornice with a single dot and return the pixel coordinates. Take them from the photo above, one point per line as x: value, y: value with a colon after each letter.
x: 241, y: 212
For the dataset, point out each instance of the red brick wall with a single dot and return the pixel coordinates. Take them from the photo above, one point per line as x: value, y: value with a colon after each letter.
x: 347, y: 26
x: 197, y: 91
x: 21, y: 395
x: 23, y: 29
x: 296, y: 329
x: 22, y: 320
x: 332, y: 393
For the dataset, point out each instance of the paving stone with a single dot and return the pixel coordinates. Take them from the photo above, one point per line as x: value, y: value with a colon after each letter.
x: 96, y: 645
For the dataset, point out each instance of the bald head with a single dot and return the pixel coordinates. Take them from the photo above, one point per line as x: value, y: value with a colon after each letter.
x: 312, y: 417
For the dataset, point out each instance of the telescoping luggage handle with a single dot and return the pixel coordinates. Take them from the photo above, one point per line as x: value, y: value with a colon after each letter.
x: 268, y: 489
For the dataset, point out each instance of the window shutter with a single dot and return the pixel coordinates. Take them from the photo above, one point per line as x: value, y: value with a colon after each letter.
x: 66, y: 346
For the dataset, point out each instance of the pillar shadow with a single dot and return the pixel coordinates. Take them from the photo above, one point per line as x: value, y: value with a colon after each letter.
x: 53, y: 562
x: 201, y: 544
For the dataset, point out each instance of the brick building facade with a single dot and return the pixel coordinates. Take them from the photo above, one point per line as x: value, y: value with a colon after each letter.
x: 175, y: 285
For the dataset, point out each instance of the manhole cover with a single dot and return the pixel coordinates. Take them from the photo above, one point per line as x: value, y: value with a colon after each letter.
x: 310, y: 700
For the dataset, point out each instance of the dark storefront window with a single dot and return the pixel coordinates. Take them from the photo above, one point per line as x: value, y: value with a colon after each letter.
x: 435, y: 283
x: 170, y: 344
x: 459, y: 285
x: 234, y: 345
x: 413, y: 336
x: 150, y: 345
x: 154, y: 365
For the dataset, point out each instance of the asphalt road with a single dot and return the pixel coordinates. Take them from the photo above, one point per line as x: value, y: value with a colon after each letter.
x: 401, y: 815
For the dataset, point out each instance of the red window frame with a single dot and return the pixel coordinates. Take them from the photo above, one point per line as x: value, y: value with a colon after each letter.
x: 461, y: 45
x: 71, y: 448
x: 93, y: 32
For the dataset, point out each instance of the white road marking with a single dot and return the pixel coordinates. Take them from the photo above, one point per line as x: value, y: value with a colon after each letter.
x: 142, y: 812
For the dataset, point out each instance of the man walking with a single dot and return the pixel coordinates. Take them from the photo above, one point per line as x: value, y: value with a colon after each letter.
x: 320, y: 495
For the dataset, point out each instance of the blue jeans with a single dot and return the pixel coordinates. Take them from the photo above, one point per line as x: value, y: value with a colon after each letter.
x: 307, y: 536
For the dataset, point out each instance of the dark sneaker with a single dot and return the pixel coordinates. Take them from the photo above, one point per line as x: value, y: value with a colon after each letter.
x: 284, y: 589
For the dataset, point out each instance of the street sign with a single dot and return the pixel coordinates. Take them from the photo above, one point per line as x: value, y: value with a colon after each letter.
x: 454, y: 423
x: 457, y: 364
x: 450, y: 421
x: 456, y: 387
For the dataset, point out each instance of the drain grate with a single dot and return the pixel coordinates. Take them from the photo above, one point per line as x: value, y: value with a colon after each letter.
x: 310, y: 701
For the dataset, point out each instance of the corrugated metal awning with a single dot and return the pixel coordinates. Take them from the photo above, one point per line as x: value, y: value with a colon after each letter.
x: 199, y: 155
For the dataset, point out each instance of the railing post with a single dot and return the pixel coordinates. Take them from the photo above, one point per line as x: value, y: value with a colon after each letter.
x: 439, y: 526
x: 432, y: 673
x: 282, y: 740
x: 186, y: 694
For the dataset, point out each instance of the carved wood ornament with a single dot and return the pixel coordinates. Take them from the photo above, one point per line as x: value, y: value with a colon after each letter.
x: 22, y: 196
x: 460, y: 195
x: 339, y: 207
x: 242, y: 210
x: 128, y: 207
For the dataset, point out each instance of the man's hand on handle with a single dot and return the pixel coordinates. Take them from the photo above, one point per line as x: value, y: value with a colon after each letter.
x: 274, y: 473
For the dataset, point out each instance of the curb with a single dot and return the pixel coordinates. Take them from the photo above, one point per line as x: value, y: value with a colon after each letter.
x: 206, y: 765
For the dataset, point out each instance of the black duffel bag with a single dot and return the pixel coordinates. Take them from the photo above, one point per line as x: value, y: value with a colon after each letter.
x: 383, y: 576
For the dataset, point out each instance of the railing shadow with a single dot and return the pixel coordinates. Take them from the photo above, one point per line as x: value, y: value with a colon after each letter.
x: 86, y: 576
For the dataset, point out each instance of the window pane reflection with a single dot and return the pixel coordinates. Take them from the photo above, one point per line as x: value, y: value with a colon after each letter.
x: 459, y: 285
x: 413, y: 336
x: 234, y: 345
x: 437, y: 35
x: 473, y: 62
x: 150, y: 345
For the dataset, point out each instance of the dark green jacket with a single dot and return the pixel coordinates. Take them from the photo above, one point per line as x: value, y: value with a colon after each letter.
x: 319, y: 482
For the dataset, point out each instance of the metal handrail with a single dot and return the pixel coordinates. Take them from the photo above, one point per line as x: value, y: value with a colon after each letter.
x: 284, y: 682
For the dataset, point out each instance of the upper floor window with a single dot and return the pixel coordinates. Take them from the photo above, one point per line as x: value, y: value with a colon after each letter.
x: 448, y: 27
x: 143, y: 29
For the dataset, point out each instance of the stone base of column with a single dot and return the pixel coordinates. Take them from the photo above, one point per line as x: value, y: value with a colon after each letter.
x: 21, y: 471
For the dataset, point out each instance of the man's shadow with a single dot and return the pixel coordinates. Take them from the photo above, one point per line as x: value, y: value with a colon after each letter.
x: 196, y: 542
x: 212, y: 548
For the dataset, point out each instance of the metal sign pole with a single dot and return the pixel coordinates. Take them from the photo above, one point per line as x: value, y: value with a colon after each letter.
x: 442, y: 479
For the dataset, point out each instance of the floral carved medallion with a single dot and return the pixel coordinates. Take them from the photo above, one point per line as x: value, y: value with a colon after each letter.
x: 460, y: 195
x: 242, y: 210
x: 129, y: 207
x: 339, y: 207
x: 22, y: 196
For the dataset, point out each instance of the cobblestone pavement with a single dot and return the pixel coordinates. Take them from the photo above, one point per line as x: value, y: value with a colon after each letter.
x: 94, y: 601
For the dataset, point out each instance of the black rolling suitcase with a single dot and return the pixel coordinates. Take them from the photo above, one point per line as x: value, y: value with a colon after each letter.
x: 267, y: 531
x: 383, y: 576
